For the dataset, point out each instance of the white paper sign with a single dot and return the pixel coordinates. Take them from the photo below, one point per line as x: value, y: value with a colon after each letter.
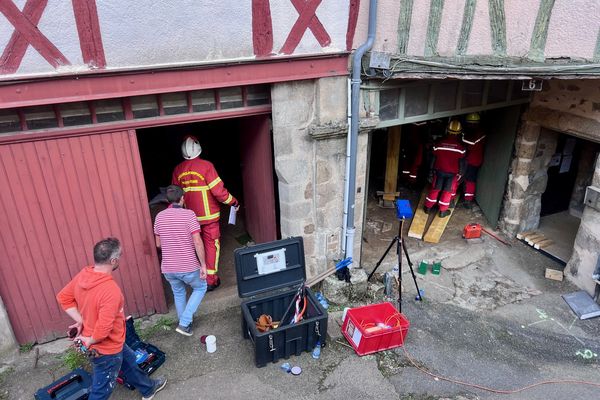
x: 565, y: 166
x: 555, y: 160
x: 232, y: 215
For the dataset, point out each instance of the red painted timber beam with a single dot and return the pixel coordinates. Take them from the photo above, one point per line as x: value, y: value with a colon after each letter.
x: 101, y: 85
x: 55, y: 133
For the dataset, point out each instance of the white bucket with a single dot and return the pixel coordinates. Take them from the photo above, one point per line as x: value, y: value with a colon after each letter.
x: 211, y: 343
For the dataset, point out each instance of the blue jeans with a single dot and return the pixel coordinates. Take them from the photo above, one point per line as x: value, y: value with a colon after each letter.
x: 106, y: 369
x: 186, y: 309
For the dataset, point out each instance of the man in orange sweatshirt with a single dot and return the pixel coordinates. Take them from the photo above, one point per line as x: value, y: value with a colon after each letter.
x: 95, y: 302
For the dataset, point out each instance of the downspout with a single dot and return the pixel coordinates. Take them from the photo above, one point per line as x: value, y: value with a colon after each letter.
x: 350, y: 189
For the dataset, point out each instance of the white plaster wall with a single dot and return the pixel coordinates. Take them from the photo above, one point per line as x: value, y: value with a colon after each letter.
x: 418, y: 28
x: 572, y: 32
x: 452, y: 16
x: 386, y: 36
x: 573, y: 28
x: 480, y: 41
x: 146, y: 33
x: 519, y: 25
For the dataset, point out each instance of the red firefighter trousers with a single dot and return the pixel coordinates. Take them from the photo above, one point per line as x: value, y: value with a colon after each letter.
x: 210, y: 235
x: 446, y: 183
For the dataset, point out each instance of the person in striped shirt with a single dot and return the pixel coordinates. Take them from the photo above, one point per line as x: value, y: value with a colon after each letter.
x: 177, y: 234
x: 204, y: 194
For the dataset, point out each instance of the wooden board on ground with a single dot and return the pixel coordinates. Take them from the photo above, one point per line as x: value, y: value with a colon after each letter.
x: 523, y: 235
x: 532, y: 238
x: 437, y: 227
x: 543, y: 243
x: 554, y: 274
x: 419, y: 220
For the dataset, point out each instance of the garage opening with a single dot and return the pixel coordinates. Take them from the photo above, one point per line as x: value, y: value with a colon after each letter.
x: 241, y: 151
x: 567, y: 164
x: 399, y: 164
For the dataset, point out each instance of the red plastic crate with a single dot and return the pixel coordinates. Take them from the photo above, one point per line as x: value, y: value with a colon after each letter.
x: 374, y: 328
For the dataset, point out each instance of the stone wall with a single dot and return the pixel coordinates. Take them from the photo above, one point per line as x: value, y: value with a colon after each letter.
x: 309, y: 136
x: 528, y: 177
x: 587, y: 244
x: 585, y: 168
x: 7, y: 338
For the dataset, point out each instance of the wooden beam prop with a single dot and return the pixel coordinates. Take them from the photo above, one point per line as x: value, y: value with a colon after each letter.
x: 391, y: 164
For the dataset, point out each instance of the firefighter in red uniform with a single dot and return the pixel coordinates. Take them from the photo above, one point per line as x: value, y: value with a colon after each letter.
x: 474, y: 140
x: 448, y: 165
x: 412, y: 155
x: 203, y: 193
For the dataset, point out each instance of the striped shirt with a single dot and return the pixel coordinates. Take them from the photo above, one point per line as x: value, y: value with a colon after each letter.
x: 175, y: 227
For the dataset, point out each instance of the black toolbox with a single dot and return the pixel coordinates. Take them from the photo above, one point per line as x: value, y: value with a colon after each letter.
x: 269, y: 274
x: 155, y: 357
x: 76, y: 385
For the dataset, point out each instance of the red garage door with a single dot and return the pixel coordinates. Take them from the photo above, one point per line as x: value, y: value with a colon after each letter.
x: 58, y: 198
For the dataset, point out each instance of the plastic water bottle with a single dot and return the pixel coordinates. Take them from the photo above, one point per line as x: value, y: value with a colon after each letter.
x: 322, y: 300
x: 395, y: 270
x: 316, y: 353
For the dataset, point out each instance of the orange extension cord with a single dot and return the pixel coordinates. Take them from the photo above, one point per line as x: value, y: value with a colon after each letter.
x: 562, y: 381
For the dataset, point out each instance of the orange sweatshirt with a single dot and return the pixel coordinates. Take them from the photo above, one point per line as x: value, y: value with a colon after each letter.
x: 100, y: 302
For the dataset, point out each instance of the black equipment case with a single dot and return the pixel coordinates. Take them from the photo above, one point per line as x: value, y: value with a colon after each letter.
x: 76, y: 385
x: 156, y: 356
x: 269, y: 274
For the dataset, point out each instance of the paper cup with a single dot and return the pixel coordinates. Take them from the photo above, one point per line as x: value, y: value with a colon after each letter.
x: 211, y: 343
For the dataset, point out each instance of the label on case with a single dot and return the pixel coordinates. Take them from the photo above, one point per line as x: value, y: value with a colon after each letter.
x: 354, y: 333
x: 270, y: 261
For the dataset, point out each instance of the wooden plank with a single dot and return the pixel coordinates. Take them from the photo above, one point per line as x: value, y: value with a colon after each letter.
x: 538, y: 240
x: 433, y: 27
x: 540, y: 30
x: 531, y: 239
x: 554, y: 274
x: 523, y: 235
x: 391, y: 164
x: 543, y: 243
x: 404, y: 20
x: 437, y: 227
x: 419, y: 220
x: 465, y: 30
x: 498, y: 26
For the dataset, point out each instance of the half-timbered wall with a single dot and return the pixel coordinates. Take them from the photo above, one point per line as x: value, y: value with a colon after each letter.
x: 41, y: 37
x: 493, y: 33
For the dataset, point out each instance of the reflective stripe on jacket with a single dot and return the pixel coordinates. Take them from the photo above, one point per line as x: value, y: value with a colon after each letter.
x: 203, y: 189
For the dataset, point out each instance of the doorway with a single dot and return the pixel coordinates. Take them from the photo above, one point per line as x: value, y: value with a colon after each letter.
x: 413, y: 165
x: 569, y: 173
x: 241, y: 151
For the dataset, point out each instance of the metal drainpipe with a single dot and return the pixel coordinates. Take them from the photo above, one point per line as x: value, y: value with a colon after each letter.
x: 353, y: 135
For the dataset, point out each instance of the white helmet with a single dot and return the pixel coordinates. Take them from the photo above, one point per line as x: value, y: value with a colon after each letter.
x: 190, y: 148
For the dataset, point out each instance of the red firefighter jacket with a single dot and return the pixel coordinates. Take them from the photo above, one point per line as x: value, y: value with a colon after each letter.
x: 203, y: 189
x: 475, y: 142
x: 448, y: 152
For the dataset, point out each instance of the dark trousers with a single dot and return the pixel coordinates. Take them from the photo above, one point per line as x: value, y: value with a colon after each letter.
x: 106, y: 369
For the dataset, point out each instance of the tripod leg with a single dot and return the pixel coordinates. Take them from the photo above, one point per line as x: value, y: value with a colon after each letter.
x: 399, y: 246
x: 382, y: 257
x: 412, y: 271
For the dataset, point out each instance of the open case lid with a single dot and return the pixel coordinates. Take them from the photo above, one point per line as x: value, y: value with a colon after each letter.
x: 269, y: 266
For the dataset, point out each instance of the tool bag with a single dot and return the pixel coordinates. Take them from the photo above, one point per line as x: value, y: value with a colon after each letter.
x: 148, y: 356
x: 76, y: 385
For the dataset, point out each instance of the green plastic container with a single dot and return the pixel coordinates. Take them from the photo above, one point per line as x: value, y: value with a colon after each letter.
x: 436, y: 268
x: 423, y: 267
